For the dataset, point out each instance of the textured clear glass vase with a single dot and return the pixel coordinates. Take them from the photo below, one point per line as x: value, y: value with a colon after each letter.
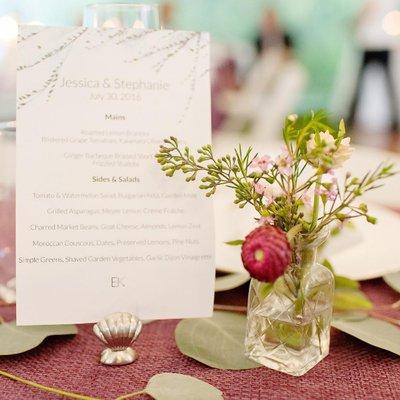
x: 288, y: 325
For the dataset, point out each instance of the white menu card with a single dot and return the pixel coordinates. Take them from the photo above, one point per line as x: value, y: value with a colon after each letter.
x: 100, y: 228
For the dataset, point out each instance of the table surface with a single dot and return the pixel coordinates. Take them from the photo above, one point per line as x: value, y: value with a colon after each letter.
x: 353, y: 369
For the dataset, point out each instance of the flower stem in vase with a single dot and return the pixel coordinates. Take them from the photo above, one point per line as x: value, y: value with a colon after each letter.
x: 316, y: 203
x: 297, y: 197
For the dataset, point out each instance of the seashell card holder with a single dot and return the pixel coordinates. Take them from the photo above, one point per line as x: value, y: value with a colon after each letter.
x: 118, y: 331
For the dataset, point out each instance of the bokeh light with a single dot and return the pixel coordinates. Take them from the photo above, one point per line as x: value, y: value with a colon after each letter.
x: 8, y: 28
x: 391, y: 23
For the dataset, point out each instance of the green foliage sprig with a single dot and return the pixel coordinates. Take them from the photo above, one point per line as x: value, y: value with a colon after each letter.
x: 298, y: 189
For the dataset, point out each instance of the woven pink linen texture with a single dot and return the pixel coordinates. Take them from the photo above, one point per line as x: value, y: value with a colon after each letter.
x: 353, y: 370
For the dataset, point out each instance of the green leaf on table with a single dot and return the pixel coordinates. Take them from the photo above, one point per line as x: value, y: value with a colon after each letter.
x: 230, y: 281
x: 348, y: 296
x: 326, y: 263
x: 238, y: 242
x: 350, y: 299
x: 18, y: 339
x: 372, y: 331
x: 343, y: 282
x: 340, y: 281
x: 170, y: 386
x: 393, y: 280
x: 217, y: 342
x: 351, y: 315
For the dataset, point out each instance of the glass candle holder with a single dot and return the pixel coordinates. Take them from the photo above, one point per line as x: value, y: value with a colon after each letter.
x: 121, y: 15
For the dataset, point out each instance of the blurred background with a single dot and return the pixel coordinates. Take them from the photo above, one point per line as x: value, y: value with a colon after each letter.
x: 269, y: 58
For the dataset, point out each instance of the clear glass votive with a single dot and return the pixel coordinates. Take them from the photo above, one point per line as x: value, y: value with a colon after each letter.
x: 121, y: 15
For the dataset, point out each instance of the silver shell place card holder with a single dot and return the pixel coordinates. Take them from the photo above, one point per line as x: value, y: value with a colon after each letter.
x: 118, y: 331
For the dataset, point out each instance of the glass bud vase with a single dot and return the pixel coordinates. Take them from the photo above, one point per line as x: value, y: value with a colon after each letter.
x: 288, y: 324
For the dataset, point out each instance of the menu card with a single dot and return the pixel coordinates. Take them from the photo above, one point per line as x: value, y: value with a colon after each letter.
x: 100, y: 228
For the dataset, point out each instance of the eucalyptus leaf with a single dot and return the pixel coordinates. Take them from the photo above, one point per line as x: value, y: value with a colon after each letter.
x: 18, y: 339
x: 217, y: 342
x: 373, y: 331
x: 351, y: 315
x: 170, y: 386
x: 326, y: 263
x: 343, y: 282
x: 230, y: 281
x: 393, y: 280
x: 350, y: 299
x: 348, y: 296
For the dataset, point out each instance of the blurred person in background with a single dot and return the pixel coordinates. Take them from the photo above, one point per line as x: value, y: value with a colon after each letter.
x: 377, y: 45
x: 271, y: 88
x: 271, y: 34
x: 167, y: 15
x: 224, y: 81
x: 282, y: 94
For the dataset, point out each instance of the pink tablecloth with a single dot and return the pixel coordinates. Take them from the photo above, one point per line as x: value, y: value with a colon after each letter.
x: 353, y: 370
